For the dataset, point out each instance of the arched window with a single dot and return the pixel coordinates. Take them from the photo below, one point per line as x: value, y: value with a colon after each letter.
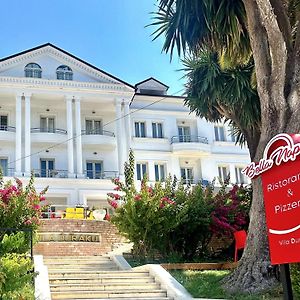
x: 33, y: 70
x: 64, y: 73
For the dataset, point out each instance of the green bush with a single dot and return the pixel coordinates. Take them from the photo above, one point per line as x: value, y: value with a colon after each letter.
x: 20, y: 208
x: 16, y: 277
x: 15, y: 243
x: 173, y: 219
x: 295, y: 276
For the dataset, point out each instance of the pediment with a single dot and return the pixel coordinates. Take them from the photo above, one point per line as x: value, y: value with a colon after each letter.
x: 49, y: 57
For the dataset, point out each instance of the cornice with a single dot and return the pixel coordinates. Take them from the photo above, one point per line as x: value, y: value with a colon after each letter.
x: 39, y: 82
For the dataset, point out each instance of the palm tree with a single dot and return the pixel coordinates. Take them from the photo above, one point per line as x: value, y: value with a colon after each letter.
x: 235, y: 30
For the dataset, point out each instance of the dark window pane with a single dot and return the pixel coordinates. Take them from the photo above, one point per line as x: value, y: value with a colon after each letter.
x: 156, y: 172
x: 137, y: 131
x: 154, y: 133
x: 143, y: 134
x: 138, y: 172
x: 216, y: 134
x: 160, y: 133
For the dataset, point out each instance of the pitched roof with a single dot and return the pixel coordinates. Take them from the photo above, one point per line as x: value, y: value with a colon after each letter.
x: 151, y: 78
x: 69, y: 54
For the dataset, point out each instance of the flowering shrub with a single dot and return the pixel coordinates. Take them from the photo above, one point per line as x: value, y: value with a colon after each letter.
x: 20, y: 207
x: 231, y: 210
x: 173, y: 218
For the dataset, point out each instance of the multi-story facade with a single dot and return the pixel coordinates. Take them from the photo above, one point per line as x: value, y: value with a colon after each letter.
x: 72, y: 125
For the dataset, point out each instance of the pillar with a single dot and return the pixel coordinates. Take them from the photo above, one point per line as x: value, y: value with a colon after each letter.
x: 27, y: 135
x: 120, y: 145
x: 232, y: 173
x: 78, y: 138
x: 18, y: 149
x: 127, y: 127
x: 70, y: 137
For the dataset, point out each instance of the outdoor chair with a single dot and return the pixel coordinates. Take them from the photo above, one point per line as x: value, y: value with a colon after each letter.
x: 240, y: 238
x: 79, y: 213
x: 70, y: 213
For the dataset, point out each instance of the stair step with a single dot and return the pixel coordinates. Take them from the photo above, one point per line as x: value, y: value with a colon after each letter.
x: 78, y: 269
x: 145, y: 298
x: 94, y: 274
x: 110, y: 280
x: 104, y: 287
x: 76, y: 260
x: 87, y: 294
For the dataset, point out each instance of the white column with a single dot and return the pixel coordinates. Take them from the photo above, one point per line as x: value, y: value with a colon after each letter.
x: 18, y: 150
x: 232, y: 173
x: 127, y: 127
x: 120, y: 145
x: 151, y: 170
x: 70, y: 137
x: 175, y: 167
x: 27, y: 135
x: 78, y: 138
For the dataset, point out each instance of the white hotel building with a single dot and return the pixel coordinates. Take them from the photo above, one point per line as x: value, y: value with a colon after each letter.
x: 72, y: 124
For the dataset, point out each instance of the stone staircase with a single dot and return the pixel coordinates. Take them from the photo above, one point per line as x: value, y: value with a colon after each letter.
x: 98, y: 277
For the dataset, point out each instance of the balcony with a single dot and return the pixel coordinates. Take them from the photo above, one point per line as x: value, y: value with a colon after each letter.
x: 91, y: 174
x: 7, y: 133
x: 50, y: 173
x: 99, y: 137
x: 48, y: 135
x: 189, y: 144
x: 10, y: 172
x: 88, y: 174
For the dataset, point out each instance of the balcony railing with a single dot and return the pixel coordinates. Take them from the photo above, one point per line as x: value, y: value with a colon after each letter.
x: 50, y: 173
x: 189, y: 139
x: 97, y: 132
x: 100, y: 175
x: 7, y: 128
x: 8, y: 172
x: 49, y: 130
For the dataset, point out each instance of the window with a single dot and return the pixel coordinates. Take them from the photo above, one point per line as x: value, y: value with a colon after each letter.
x: 219, y: 133
x: 33, y: 70
x: 141, y: 169
x: 240, y: 178
x: 47, y: 124
x: 159, y: 172
x: 223, y: 173
x: 93, y: 127
x: 94, y: 169
x: 4, y: 166
x: 3, y: 123
x: 157, y: 130
x: 64, y: 73
x: 47, y: 168
x: 184, y: 133
x: 186, y: 175
x: 139, y: 129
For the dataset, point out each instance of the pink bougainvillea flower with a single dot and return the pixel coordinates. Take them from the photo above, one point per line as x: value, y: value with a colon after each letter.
x: 161, y: 205
x: 42, y: 198
x: 28, y: 222
x: 36, y: 207
x: 137, y: 197
x: 114, y: 204
x: 117, y: 188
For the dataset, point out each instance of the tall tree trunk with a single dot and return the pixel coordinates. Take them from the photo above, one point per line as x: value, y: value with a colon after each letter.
x: 277, y: 71
x: 253, y: 273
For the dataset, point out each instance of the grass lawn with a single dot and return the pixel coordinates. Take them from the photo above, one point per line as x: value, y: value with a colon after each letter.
x: 207, y: 284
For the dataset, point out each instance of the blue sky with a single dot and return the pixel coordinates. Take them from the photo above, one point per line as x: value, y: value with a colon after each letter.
x: 109, y: 34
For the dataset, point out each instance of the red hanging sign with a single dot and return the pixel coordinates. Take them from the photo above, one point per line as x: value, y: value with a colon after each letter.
x: 280, y: 170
